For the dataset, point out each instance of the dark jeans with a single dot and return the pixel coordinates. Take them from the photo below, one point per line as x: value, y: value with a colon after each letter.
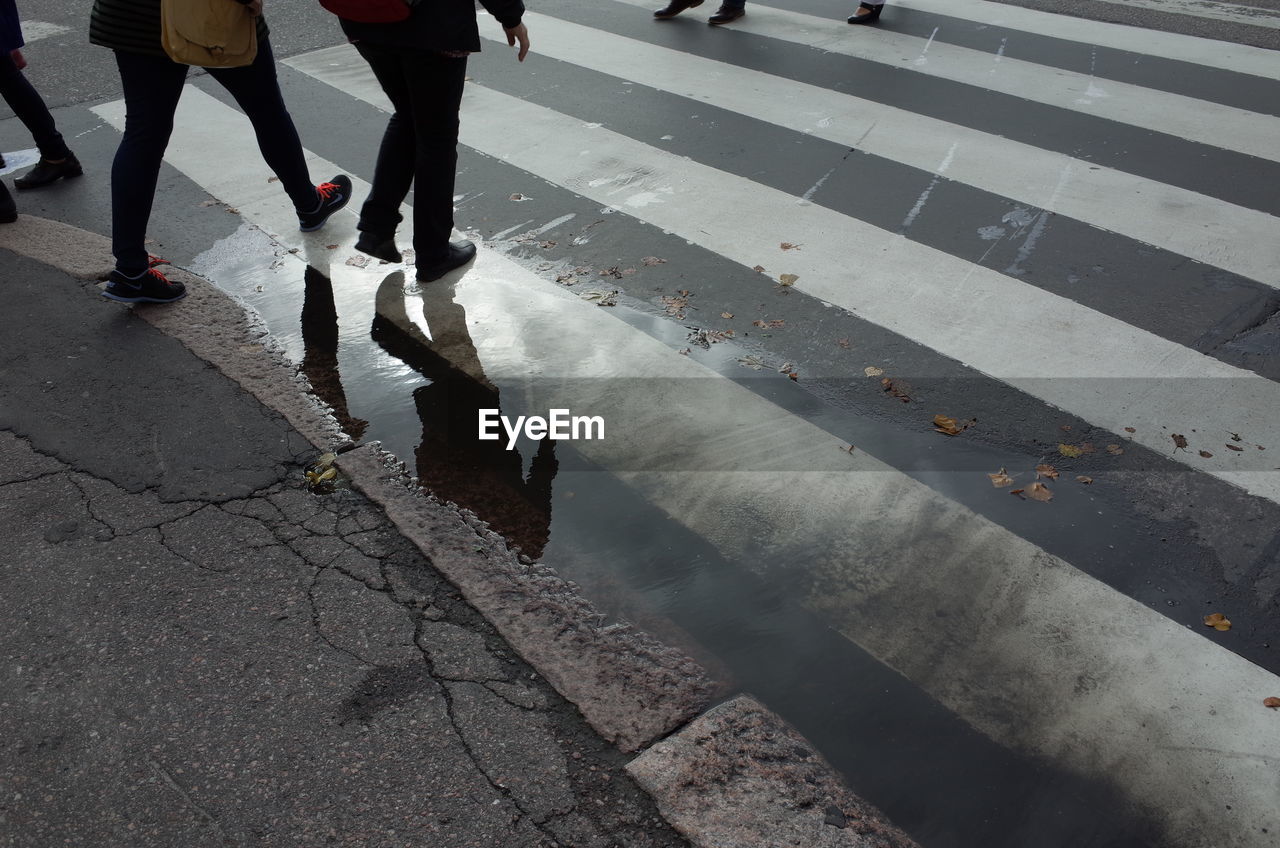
x: 27, y: 104
x: 419, y: 147
x: 152, y: 86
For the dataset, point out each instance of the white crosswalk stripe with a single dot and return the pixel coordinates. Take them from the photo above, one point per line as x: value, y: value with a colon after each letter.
x: 1200, y: 51
x: 1185, y: 117
x: 1101, y: 369
x: 1033, y: 626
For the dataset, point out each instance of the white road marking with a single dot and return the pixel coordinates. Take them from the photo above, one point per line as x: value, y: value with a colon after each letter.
x: 1212, y: 231
x: 1235, y: 13
x: 36, y: 30
x: 1101, y: 684
x: 1208, y: 52
x: 1226, y: 127
x: 1090, y: 364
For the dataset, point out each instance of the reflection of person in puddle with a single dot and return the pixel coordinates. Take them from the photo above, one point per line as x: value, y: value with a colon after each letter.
x: 452, y: 462
x: 320, y: 349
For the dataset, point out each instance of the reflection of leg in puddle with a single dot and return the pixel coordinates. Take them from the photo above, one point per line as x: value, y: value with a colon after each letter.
x: 482, y: 476
x: 320, y: 349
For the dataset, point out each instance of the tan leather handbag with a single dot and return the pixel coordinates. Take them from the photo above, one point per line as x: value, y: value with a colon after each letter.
x: 208, y: 33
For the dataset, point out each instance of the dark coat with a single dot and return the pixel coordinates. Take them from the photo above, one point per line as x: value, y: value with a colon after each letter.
x: 438, y: 25
x: 10, y: 30
x: 134, y: 25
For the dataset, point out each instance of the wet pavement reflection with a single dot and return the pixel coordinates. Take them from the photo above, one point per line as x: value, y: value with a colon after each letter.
x: 410, y: 366
x: 451, y: 461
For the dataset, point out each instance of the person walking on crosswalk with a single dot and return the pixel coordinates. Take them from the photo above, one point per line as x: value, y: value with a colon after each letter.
x: 421, y: 64
x: 152, y: 86
x: 56, y: 159
x: 730, y: 10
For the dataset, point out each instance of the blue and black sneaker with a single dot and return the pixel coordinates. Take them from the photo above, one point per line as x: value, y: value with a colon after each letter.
x: 148, y: 287
x: 332, y: 195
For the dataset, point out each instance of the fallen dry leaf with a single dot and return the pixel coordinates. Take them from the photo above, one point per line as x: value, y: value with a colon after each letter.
x: 358, y: 261
x: 949, y: 426
x: 1070, y: 451
x: 652, y: 260
x: 273, y: 179
x: 786, y: 245
x: 1000, y: 479
x: 1273, y: 703
x: 330, y: 247
x: 1217, y: 621
x: 872, y: 371
x: 1179, y: 441
x: 893, y: 388
x: 684, y: 352
x: 793, y: 375
x: 1083, y: 479
x: 844, y: 343
x: 726, y: 314
x: 757, y: 268
x: 1206, y: 454
x: 517, y: 197
x: 788, y: 279
x: 1130, y: 430
x: 1046, y: 471
x: 1115, y: 450
x: 1235, y: 448
x: 1039, y: 492
x: 1018, y: 492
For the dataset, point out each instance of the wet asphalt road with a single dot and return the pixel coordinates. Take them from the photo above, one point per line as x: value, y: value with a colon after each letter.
x: 1178, y: 543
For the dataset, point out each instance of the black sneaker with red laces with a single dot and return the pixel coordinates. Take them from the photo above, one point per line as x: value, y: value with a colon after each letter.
x: 148, y: 287
x: 332, y: 196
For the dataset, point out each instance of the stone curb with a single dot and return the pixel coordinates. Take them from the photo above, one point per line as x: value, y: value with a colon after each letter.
x: 736, y: 776
x: 741, y: 777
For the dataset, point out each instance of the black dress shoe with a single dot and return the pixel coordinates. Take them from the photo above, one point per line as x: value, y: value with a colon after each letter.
x: 725, y: 14
x: 378, y: 246
x: 460, y: 253
x: 675, y: 7
x: 46, y: 172
x: 872, y: 15
x: 8, y: 209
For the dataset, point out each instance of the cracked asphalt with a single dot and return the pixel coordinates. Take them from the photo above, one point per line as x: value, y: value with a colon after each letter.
x: 197, y: 650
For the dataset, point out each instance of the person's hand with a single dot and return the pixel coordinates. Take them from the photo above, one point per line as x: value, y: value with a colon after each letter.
x: 520, y: 34
x: 16, y: 55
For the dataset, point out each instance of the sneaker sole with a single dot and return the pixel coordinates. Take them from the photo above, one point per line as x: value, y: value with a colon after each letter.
x: 141, y: 298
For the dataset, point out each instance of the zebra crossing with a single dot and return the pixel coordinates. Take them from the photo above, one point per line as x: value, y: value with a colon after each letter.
x: 1070, y: 666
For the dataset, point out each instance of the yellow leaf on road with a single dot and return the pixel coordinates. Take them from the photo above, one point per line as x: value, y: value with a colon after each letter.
x: 1217, y: 621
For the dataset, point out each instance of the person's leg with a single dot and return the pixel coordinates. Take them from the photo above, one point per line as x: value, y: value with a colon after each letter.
x: 393, y: 172
x: 30, y: 108
x: 435, y: 85
x: 152, y: 86
x: 256, y: 89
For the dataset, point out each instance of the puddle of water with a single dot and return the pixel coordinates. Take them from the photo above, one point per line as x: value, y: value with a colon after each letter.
x: 410, y: 366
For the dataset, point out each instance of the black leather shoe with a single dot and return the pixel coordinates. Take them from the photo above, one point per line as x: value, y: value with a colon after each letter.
x: 379, y: 247
x: 872, y: 15
x: 46, y: 172
x: 8, y: 209
x: 460, y: 253
x: 675, y: 7
x: 725, y: 14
